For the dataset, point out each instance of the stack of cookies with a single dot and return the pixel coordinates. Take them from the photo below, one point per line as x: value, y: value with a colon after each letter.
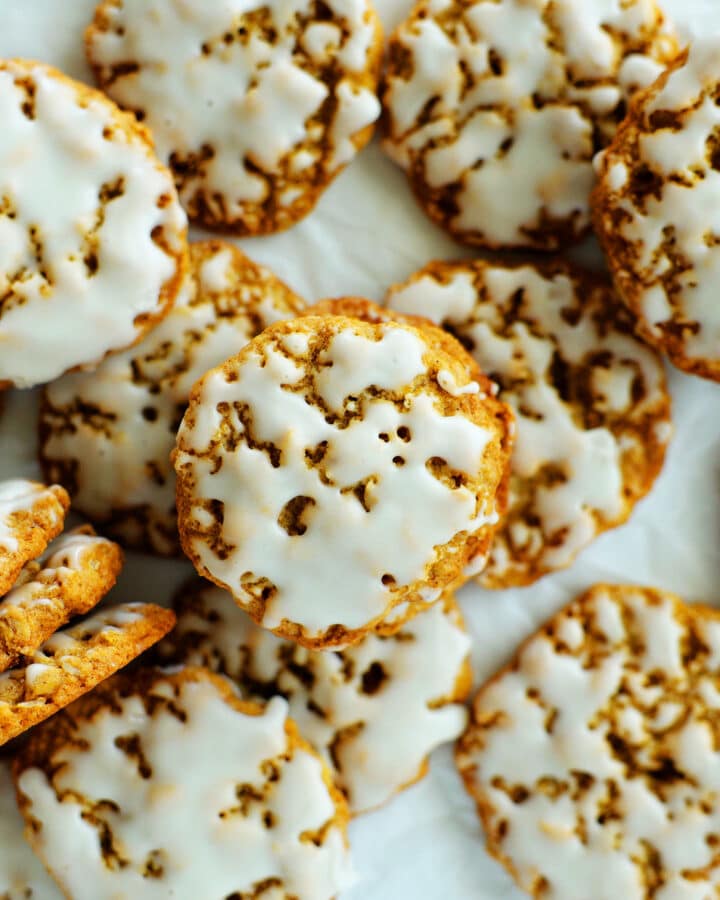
x: 336, y: 471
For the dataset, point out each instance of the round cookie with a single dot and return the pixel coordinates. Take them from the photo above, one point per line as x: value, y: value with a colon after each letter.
x: 360, y: 308
x: 31, y: 515
x: 590, y: 400
x: 92, y: 236
x: 256, y: 108
x: 656, y: 210
x: 495, y: 109
x: 73, y: 661
x: 593, y: 756
x: 22, y: 875
x: 374, y: 711
x: 173, y: 787
x: 107, y: 435
x: 76, y: 574
x: 334, y: 470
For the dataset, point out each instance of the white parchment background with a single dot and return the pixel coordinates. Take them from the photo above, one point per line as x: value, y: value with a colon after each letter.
x: 365, y: 234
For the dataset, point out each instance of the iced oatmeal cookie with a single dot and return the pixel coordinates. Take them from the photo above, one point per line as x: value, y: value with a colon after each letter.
x: 495, y: 108
x: 92, y: 236
x: 335, y: 470
x: 173, y: 787
x: 256, y: 106
x: 592, y: 756
x: 657, y: 210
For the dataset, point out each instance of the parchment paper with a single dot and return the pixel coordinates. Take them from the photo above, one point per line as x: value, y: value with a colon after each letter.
x: 365, y: 234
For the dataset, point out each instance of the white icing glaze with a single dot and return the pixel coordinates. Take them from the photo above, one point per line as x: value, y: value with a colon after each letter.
x: 673, y: 263
x: 121, y: 455
x: 247, y: 96
x: 391, y: 535
x: 70, y: 297
x: 19, y: 495
x: 519, y: 349
x: 483, y: 66
x: 187, y: 814
x: 562, y: 709
x: 22, y: 876
x: 402, y: 722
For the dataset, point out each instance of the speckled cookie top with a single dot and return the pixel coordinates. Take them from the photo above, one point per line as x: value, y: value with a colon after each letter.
x: 591, y: 404
x: 92, y: 237
x: 497, y: 108
x: 593, y: 756
x: 374, y: 711
x: 657, y: 210
x: 333, y: 469
x: 256, y: 106
x: 174, y: 787
x: 107, y: 434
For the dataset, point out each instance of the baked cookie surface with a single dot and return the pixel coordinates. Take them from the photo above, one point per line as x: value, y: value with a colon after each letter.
x: 74, y: 660
x: 31, y: 515
x: 656, y: 210
x: 256, y: 107
x: 174, y: 787
x: 333, y: 470
x: 593, y: 756
x: 495, y: 108
x: 78, y: 571
x: 591, y: 403
x: 92, y: 236
x: 22, y: 875
x: 374, y: 711
x: 107, y: 435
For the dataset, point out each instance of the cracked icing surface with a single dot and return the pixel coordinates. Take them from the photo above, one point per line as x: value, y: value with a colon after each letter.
x: 22, y: 876
x: 107, y: 435
x: 77, y: 572
x: 593, y: 755
x: 170, y: 786
x: 31, y: 515
x: 256, y: 106
x: 92, y: 237
x: 325, y: 476
x: 374, y: 711
x: 75, y: 660
x: 590, y: 401
x: 495, y: 109
x: 656, y: 210
x: 441, y: 339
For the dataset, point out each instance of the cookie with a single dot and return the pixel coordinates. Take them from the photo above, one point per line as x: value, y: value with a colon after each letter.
x: 593, y: 756
x: 333, y: 470
x: 174, y: 787
x: 75, y: 660
x: 22, y: 876
x: 655, y: 211
x: 77, y: 573
x: 92, y: 236
x: 495, y: 109
x: 360, y: 308
x: 31, y: 515
x: 374, y: 711
x: 107, y: 435
x: 590, y: 399
x: 256, y: 109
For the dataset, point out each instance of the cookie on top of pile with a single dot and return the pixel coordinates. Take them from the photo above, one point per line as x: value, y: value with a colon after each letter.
x: 336, y: 452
